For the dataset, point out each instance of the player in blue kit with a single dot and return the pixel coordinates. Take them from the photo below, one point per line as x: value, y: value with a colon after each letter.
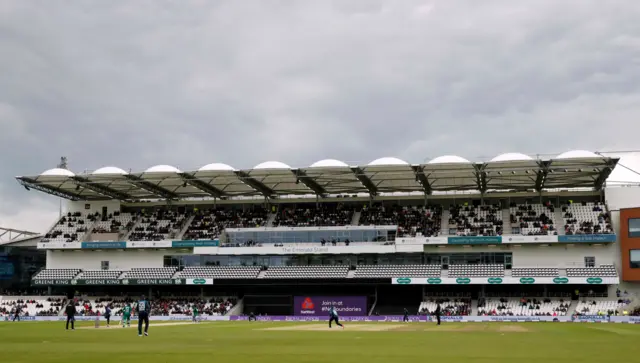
x: 333, y: 316
x: 144, y: 309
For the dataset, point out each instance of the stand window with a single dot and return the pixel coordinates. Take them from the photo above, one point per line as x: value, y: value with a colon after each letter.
x: 634, y: 258
x: 634, y: 227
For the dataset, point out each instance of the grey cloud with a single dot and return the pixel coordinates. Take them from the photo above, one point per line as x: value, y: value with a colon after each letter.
x: 134, y: 84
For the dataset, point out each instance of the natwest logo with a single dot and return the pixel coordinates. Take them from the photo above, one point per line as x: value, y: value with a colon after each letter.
x: 307, y: 304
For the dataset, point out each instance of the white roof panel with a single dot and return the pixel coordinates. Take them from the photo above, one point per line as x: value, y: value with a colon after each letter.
x: 329, y: 163
x: 511, y: 157
x: 575, y: 154
x: 162, y: 169
x: 109, y: 170
x: 388, y: 161
x: 449, y: 159
x: 272, y: 165
x: 58, y: 172
x: 217, y: 167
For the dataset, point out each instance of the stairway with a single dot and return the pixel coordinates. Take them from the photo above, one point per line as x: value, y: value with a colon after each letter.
x: 186, y: 225
x: 262, y: 274
x: 133, y: 228
x: 559, y: 219
x: 506, y: 222
x: 444, y: 223
x: 351, y: 274
x: 237, y: 309
x: 356, y: 218
x: 270, y: 219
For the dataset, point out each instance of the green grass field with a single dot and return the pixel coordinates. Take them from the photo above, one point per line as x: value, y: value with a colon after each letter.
x: 313, y: 342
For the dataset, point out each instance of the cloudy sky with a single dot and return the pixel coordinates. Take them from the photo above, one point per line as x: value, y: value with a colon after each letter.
x: 190, y: 82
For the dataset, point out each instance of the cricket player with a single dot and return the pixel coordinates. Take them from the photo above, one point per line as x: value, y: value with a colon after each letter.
x: 107, y: 314
x: 194, y: 313
x: 143, y: 309
x: 126, y: 315
x: 406, y: 316
x: 333, y: 316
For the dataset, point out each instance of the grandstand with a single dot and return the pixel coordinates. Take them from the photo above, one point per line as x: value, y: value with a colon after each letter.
x: 402, y: 235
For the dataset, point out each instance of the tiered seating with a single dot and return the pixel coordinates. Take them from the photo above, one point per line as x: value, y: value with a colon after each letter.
x: 523, y: 307
x: 99, y: 275
x: 485, y: 220
x: 39, y: 307
x: 600, y: 271
x: 534, y: 272
x: 57, y: 274
x: 150, y: 273
x: 476, y: 270
x: 456, y: 307
x: 208, y: 224
x: 586, y: 218
x: 70, y: 228
x: 323, y: 215
x: 307, y: 272
x: 158, y: 226
x: 411, y: 220
x: 184, y: 306
x: 591, y: 307
x: 389, y: 271
x: 114, y: 223
x: 533, y: 219
x: 94, y: 306
x: 221, y: 272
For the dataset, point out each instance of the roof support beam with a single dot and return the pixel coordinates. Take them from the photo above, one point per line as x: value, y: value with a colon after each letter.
x: 151, y: 187
x: 481, y: 177
x: 362, y: 177
x: 13, y: 234
x: 29, y: 184
x: 255, y: 184
x: 100, y: 189
x: 422, y: 178
x: 543, y: 171
x: 604, y: 174
x: 205, y: 187
x: 309, y: 182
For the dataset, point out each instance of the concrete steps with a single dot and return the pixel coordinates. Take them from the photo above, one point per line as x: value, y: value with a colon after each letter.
x: 506, y: 222
x: 444, y: 223
x: 356, y: 218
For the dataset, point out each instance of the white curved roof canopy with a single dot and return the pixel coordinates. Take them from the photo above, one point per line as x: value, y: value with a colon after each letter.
x: 217, y: 167
x: 575, y: 154
x: 387, y: 161
x: 512, y: 157
x: 109, y: 170
x: 449, y: 159
x: 272, y: 165
x: 162, y: 169
x: 627, y: 171
x: 57, y: 172
x: 329, y: 163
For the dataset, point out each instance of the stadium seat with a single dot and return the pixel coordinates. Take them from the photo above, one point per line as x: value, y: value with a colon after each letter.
x: 586, y: 218
x: 208, y: 224
x: 329, y: 214
x: 390, y: 271
x: 157, y: 226
x: 306, y: 272
x: 600, y: 271
x: 70, y: 228
x: 411, y: 220
x: 221, y: 272
x: 533, y: 219
x: 150, y: 273
x: 485, y: 220
x: 493, y: 270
